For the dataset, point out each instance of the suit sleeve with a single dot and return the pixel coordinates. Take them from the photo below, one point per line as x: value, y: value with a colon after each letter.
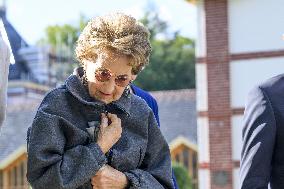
x: 259, y: 133
x: 155, y: 171
x: 50, y: 165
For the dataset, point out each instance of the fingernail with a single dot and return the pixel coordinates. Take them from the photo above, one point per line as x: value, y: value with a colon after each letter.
x: 105, y: 120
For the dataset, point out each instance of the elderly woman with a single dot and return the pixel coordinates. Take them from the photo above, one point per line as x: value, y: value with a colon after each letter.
x: 91, y: 132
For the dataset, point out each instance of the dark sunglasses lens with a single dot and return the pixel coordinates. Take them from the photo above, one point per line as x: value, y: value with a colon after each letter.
x: 103, y: 75
x: 122, y: 81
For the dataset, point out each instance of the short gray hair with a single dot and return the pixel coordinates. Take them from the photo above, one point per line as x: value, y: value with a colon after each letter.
x: 118, y: 32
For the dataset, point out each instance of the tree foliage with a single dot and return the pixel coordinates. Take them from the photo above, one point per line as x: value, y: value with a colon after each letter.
x: 62, y: 39
x: 63, y: 35
x: 172, y: 63
x: 182, y: 177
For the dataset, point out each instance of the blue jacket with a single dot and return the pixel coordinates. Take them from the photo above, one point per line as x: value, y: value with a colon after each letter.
x: 152, y: 103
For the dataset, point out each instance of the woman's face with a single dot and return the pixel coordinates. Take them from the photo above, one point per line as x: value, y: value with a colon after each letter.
x: 108, y: 76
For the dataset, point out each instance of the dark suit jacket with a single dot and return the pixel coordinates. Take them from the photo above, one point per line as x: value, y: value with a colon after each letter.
x: 262, y: 160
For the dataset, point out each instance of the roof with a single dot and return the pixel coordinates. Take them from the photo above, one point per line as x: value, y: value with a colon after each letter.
x: 178, y: 115
x: 16, y: 42
x: 20, y: 113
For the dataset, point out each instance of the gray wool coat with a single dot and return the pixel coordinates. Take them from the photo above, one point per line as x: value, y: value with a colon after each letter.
x: 62, y: 148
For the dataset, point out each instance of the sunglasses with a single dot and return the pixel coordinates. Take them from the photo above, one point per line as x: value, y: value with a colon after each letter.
x: 104, y: 75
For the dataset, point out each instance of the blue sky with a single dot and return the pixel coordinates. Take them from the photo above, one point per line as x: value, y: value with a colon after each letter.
x: 31, y: 17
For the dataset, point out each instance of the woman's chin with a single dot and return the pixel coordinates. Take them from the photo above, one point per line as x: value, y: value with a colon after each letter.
x: 105, y: 100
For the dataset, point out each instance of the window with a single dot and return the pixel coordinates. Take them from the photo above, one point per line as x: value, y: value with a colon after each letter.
x: 22, y: 172
x: 177, y: 158
x: 15, y: 176
x: 194, y: 171
x: 10, y: 178
x: 194, y: 165
x: 185, y: 154
x: 1, y: 180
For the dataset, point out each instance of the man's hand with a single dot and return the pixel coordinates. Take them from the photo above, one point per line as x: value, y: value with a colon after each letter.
x: 108, y: 178
x: 109, y: 134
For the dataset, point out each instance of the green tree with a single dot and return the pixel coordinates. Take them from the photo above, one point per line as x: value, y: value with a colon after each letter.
x: 62, y: 39
x: 63, y: 35
x: 172, y: 63
x: 182, y: 177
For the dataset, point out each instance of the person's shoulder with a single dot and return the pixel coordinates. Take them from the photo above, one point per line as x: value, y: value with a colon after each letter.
x: 139, y: 104
x: 274, y: 83
x: 57, y: 92
x: 54, y: 97
x: 272, y: 87
x: 143, y: 94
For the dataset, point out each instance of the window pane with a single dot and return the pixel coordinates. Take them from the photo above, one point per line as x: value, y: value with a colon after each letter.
x: 194, y: 165
x: 1, y: 179
x: 177, y: 158
x: 22, y: 173
x: 15, y: 176
x: 10, y: 178
x: 185, y: 154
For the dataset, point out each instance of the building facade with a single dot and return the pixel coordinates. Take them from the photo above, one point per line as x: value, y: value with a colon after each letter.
x: 178, y: 118
x: 239, y: 44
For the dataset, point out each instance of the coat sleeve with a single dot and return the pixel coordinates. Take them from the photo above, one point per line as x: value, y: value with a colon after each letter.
x: 155, y: 171
x: 50, y: 165
x: 4, y: 70
x: 259, y: 133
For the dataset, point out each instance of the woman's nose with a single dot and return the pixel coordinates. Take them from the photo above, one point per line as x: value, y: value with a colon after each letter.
x: 109, y: 85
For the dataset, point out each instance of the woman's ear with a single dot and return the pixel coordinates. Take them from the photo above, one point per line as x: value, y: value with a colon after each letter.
x: 133, y: 77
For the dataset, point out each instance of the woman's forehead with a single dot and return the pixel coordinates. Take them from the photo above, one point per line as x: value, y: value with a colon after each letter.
x: 114, y: 60
x: 107, y: 60
x: 109, y: 57
x: 117, y: 65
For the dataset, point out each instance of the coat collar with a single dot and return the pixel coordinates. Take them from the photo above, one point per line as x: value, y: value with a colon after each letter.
x: 75, y: 86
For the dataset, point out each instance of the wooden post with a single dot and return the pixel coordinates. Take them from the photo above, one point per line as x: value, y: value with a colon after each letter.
x: 5, y: 180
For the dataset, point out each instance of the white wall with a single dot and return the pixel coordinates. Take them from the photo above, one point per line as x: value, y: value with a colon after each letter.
x: 255, y: 25
x: 236, y: 178
x: 200, y: 49
x: 245, y: 74
x: 203, y: 139
x: 237, y: 125
x: 204, y: 179
x: 201, y: 87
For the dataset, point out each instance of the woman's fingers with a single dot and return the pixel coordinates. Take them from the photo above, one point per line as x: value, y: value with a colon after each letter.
x: 113, y: 118
x: 104, y: 121
x: 109, y: 134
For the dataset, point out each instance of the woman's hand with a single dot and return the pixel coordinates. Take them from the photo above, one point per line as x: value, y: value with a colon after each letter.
x: 108, y: 177
x: 109, y: 134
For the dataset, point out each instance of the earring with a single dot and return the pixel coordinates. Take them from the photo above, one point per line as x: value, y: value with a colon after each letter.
x: 127, y: 91
x: 84, y: 78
